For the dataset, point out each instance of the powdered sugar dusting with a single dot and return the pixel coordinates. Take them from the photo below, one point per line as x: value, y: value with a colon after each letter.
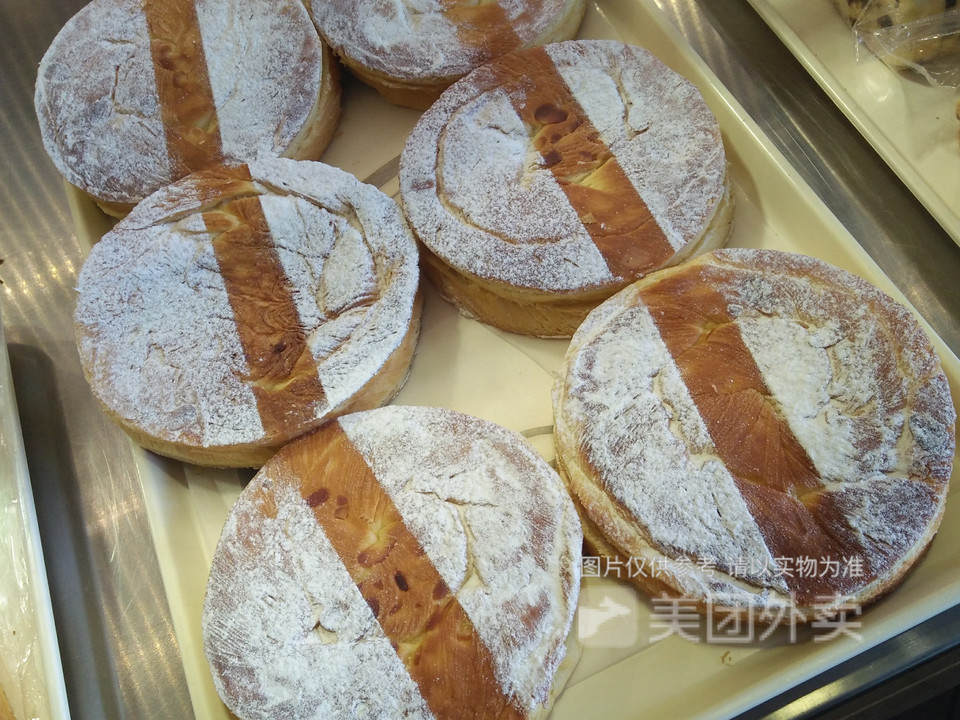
x: 289, y: 635
x: 286, y: 631
x: 417, y: 39
x: 482, y: 199
x: 802, y: 381
x: 151, y: 297
x: 265, y: 63
x: 842, y: 359
x: 850, y: 370
x: 148, y: 363
x: 364, y: 295
x: 657, y: 125
x: 96, y: 96
x: 476, y: 193
x: 97, y: 103
x: 494, y: 520
x: 623, y: 399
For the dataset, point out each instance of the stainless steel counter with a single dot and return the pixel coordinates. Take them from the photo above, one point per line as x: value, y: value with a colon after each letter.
x: 119, y: 651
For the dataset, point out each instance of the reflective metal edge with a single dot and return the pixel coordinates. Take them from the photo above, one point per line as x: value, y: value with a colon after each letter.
x: 120, y: 657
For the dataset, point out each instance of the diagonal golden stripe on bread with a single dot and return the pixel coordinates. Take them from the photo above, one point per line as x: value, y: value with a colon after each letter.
x: 770, y: 466
x: 757, y: 431
x: 406, y: 593
x: 485, y: 28
x: 183, y: 85
x: 261, y: 296
x: 241, y: 307
x: 591, y: 177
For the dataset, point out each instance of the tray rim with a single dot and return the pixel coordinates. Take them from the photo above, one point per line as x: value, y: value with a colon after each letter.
x: 863, y: 119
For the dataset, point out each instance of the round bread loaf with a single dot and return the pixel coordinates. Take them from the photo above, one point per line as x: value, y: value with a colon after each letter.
x: 238, y: 308
x: 132, y: 95
x: 404, y: 562
x: 542, y: 183
x: 410, y: 51
x: 757, y: 431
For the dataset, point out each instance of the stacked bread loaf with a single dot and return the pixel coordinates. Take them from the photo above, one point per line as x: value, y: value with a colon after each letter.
x: 238, y: 308
x: 400, y: 562
x: 412, y: 51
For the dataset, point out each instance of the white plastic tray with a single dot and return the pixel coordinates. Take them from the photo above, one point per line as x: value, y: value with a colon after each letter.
x: 911, y: 124
x: 505, y: 378
x: 31, y: 676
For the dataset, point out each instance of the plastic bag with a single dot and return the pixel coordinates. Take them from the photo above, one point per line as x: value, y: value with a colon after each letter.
x: 918, y: 35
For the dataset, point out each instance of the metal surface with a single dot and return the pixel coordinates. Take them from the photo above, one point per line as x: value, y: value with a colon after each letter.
x: 881, y: 683
x: 828, y: 152
x: 120, y: 654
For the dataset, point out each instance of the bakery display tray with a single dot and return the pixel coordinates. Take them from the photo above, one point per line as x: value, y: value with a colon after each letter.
x: 911, y: 124
x: 634, y: 657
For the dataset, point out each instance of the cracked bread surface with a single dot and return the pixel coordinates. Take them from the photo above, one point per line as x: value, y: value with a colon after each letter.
x: 403, y: 562
x: 547, y: 180
x: 411, y: 50
x: 239, y: 308
x: 732, y: 418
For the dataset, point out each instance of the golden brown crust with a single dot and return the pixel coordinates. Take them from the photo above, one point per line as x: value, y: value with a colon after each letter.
x: 400, y: 591
x: 434, y: 637
x: 320, y: 126
x: 156, y: 103
x: 412, y: 63
x: 417, y: 95
x: 509, y: 308
x: 767, y: 481
x: 379, y: 390
x: 242, y: 307
x: 531, y: 312
x: 536, y: 194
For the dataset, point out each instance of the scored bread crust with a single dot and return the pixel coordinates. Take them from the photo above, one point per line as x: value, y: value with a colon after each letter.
x: 547, y: 180
x: 850, y: 9
x: 341, y: 559
x: 131, y: 95
x: 685, y: 468
x: 411, y: 52
x: 239, y: 308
